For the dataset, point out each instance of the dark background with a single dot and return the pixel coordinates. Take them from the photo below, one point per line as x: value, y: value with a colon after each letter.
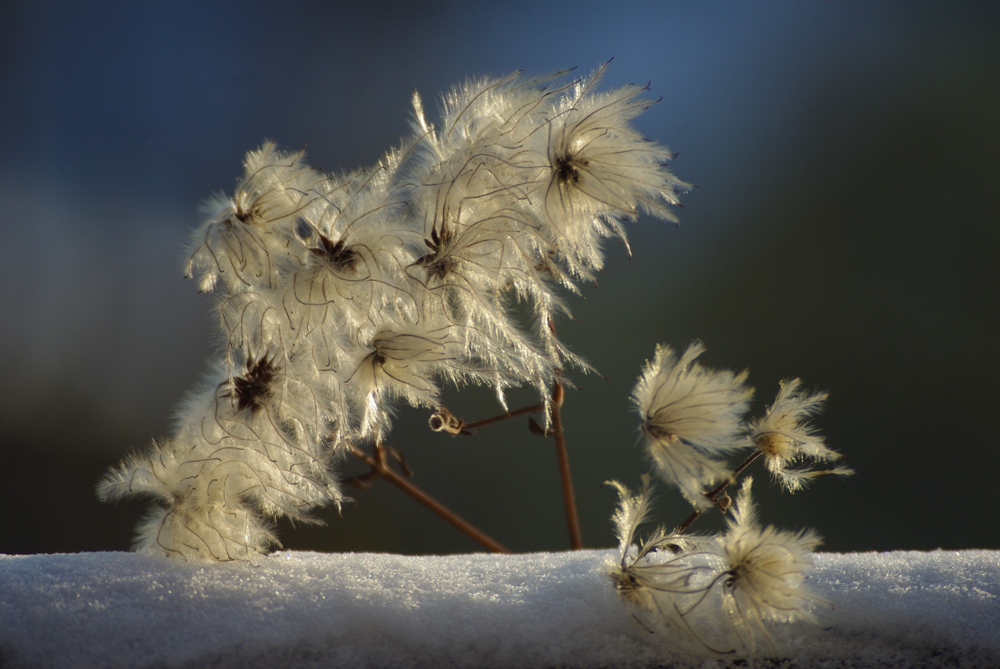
x: 844, y: 229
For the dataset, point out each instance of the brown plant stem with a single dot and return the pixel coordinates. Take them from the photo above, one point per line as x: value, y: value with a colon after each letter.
x: 379, y: 465
x: 572, y: 518
x: 534, y: 408
x: 717, y: 491
x: 569, y: 499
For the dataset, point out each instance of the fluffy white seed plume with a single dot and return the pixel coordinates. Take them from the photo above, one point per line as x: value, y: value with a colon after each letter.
x: 785, y: 436
x: 198, y: 512
x: 409, y: 362
x: 398, y: 363
x: 691, y: 418
x: 599, y: 170
x: 666, y: 576
x: 274, y: 408
x: 356, y: 253
x: 639, y: 578
x: 471, y: 276
x: 246, y: 450
x: 482, y: 250
x: 339, y: 294
x: 633, y: 511
x: 765, y: 577
x: 521, y: 182
x: 244, y: 237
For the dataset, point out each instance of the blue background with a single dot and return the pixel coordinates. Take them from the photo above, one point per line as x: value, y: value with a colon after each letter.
x: 844, y: 230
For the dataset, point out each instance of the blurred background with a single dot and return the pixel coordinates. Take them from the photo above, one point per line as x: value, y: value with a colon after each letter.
x: 844, y: 230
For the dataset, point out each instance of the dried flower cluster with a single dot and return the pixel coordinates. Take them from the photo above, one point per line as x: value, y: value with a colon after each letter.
x: 692, y: 423
x: 747, y: 576
x: 341, y: 294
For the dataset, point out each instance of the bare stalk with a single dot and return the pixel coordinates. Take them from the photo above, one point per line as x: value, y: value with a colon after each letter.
x: 572, y: 518
x: 378, y: 464
x: 716, y: 492
x: 534, y: 408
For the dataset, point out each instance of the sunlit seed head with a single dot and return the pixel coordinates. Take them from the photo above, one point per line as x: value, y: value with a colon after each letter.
x: 567, y: 168
x: 776, y: 446
x: 252, y: 389
x: 338, y: 254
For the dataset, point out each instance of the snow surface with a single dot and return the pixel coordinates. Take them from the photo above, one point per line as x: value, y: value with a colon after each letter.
x: 296, y: 610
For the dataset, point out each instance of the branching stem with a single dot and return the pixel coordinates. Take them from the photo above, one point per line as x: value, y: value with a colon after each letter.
x: 716, y: 492
x: 558, y: 395
x: 379, y: 464
x: 534, y: 408
x: 572, y: 518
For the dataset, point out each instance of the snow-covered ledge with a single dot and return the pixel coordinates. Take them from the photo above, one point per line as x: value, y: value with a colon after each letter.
x: 292, y: 610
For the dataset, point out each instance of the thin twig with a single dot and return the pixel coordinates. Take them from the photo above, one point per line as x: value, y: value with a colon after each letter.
x: 716, y: 492
x: 558, y: 395
x: 534, y: 408
x: 379, y: 465
x: 572, y: 518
